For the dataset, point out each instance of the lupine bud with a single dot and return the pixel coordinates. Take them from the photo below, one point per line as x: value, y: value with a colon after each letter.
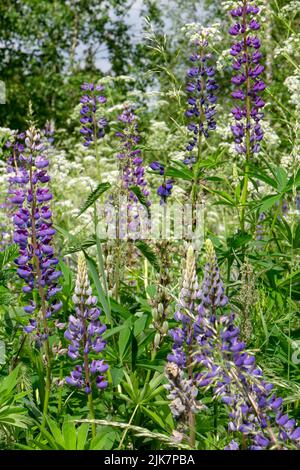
x: 165, y: 327
x: 157, y: 340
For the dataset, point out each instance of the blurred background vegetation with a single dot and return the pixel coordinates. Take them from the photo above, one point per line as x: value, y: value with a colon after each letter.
x: 47, y: 48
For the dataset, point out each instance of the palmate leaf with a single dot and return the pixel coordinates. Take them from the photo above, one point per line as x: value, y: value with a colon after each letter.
x: 101, y: 188
x: 79, y: 246
x: 149, y: 254
x: 8, y: 255
x: 98, y: 284
x: 6, y: 298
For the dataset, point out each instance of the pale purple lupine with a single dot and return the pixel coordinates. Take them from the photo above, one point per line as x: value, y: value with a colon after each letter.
x: 232, y: 373
x: 132, y: 174
x: 93, y: 126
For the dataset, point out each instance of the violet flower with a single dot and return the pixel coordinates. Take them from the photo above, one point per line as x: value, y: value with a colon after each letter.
x: 182, y: 395
x: 32, y: 218
x: 183, y: 335
x: 165, y: 189
x: 182, y: 356
x: 200, y: 88
x: 132, y: 174
x: 130, y: 159
x: 85, y: 335
x: 232, y: 373
x: 93, y: 127
x: 246, y: 54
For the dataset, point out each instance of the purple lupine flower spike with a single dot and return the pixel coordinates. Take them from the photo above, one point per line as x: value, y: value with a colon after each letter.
x: 247, y: 69
x: 131, y: 161
x: 93, y: 127
x: 32, y: 218
x: 232, y: 373
x: 132, y: 174
x: 201, y: 87
x: 85, y: 335
x: 180, y: 370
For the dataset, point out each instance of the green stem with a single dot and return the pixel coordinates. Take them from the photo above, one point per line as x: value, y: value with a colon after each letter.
x: 192, y: 419
x: 129, y: 423
x: 43, y: 304
x: 47, y: 394
x: 92, y: 413
x: 61, y: 374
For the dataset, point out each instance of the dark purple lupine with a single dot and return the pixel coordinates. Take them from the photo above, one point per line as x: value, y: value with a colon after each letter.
x: 85, y: 336
x: 200, y: 88
x: 246, y: 54
x: 32, y: 218
x: 93, y: 127
x: 164, y: 191
x: 231, y: 371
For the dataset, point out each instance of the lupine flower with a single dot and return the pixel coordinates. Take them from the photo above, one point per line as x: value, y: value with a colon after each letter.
x: 85, y: 335
x: 232, y: 372
x: 246, y: 54
x: 93, y: 126
x: 183, y: 335
x: 48, y: 132
x: 165, y: 191
x: 156, y: 166
x: 32, y: 218
x: 182, y: 395
x: 132, y: 174
x: 201, y: 87
x: 131, y: 161
x: 181, y: 359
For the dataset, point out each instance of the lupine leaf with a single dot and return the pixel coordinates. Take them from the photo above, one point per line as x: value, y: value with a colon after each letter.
x: 8, y: 255
x: 147, y: 251
x: 141, y: 197
x: 101, y: 188
x: 102, y: 297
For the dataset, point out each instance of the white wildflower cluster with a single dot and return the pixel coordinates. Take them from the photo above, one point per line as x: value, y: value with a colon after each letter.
x: 293, y: 85
x: 196, y: 32
x: 224, y: 60
x: 271, y: 139
x: 289, y: 47
x: 109, y: 79
x: 292, y: 8
x: 223, y: 131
